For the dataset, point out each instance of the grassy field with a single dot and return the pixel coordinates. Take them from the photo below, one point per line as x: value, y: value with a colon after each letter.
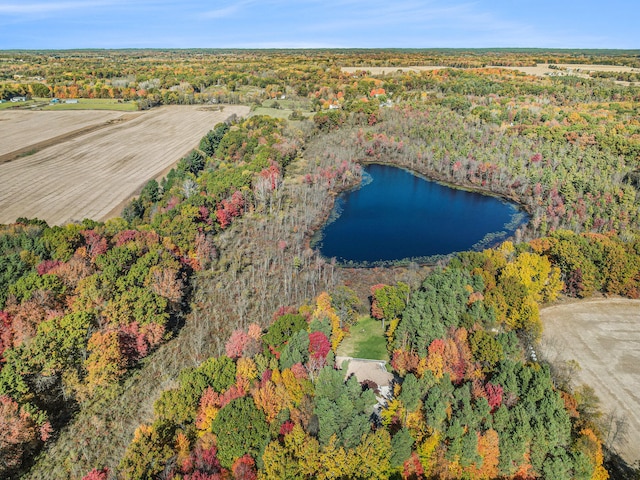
x: 15, y: 105
x: 83, y: 104
x: 94, y: 104
x: 365, y: 340
x: 282, y: 108
x: 272, y: 112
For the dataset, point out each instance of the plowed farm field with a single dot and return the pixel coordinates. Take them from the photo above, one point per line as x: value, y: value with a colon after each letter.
x: 603, y: 336
x: 66, y: 166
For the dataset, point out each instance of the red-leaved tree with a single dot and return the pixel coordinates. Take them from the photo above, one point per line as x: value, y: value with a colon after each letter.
x: 319, y: 345
x: 96, y: 474
x: 376, y: 310
x: 236, y: 343
x: 18, y: 432
x: 244, y: 468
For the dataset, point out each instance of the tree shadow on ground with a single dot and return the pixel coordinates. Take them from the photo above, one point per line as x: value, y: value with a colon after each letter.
x: 619, y: 469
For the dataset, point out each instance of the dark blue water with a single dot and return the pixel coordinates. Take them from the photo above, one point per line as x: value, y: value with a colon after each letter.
x: 397, y: 215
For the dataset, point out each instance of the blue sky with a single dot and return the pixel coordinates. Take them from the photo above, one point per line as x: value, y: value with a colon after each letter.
x: 44, y: 24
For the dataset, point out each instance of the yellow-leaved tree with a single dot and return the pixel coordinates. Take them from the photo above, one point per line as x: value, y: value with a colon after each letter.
x: 537, y: 275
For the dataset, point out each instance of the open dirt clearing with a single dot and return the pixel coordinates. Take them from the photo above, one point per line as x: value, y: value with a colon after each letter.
x: 373, y: 370
x: 89, y: 175
x: 603, y: 336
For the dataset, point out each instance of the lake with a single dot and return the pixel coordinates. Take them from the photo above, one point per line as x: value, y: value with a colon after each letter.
x: 396, y: 215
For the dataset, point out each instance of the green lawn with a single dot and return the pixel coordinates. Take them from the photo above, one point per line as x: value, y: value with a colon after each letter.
x: 94, y: 104
x: 365, y: 340
x: 7, y: 105
x: 272, y: 112
x: 286, y: 107
x: 83, y: 104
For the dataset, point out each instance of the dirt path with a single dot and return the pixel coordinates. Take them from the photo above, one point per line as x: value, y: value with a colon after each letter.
x: 90, y: 174
x: 603, y: 336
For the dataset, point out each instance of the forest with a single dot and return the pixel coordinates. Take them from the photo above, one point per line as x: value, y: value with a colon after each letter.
x: 194, y: 336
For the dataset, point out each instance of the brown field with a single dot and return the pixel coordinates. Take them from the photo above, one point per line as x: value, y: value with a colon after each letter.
x: 540, y: 70
x: 603, y: 336
x: 383, y: 70
x: 93, y: 162
x: 575, y: 69
x: 22, y: 128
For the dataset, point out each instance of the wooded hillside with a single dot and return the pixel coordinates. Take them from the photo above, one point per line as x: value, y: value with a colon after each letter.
x: 194, y: 337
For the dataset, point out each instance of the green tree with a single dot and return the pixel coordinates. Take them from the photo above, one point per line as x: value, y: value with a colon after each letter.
x: 192, y: 163
x: 63, y: 241
x: 343, y: 408
x: 439, y: 304
x: 240, y: 429
x: 401, y: 447
x: 24, y: 288
x: 296, y: 350
x: 388, y: 302
x: 283, y: 329
x: 211, y: 140
x: 147, y: 455
x: 346, y: 303
x: 151, y: 192
x: 180, y: 405
x: 411, y: 393
x: 61, y: 343
x: 39, y: 90
x: 485, y: 349
x: 329, y: 120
